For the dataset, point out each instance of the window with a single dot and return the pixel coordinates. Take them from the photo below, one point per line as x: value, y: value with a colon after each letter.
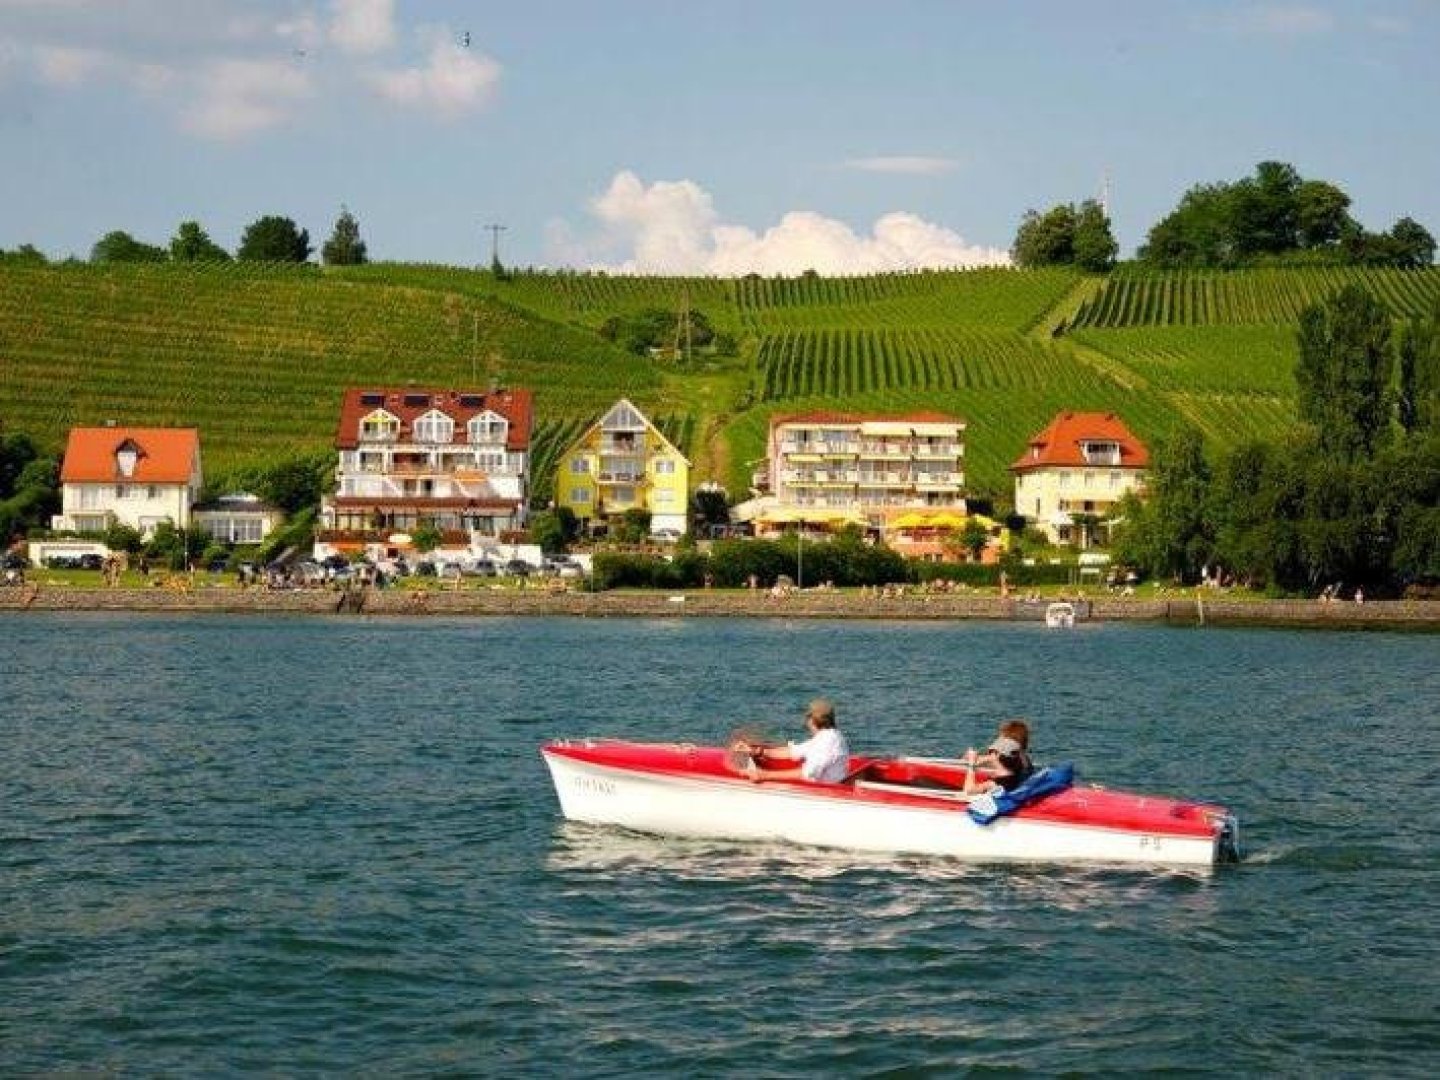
x: 664, y: 466
x: 434, y: 427
x: 487, y: 427
x: 579, y: 495
x: 579, y: 466
x: 379, y: 426
x: 152, y: 492
x: 663, y: 498
x: 1064, y: 479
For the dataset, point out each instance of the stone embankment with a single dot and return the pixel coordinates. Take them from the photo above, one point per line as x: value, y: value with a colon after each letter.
x: 820, y: 604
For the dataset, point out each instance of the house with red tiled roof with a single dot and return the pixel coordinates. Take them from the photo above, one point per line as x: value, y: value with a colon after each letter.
x: 1077, y: 468
x: 833, y: 468
x: 132, y: 476
x: 456, y: 459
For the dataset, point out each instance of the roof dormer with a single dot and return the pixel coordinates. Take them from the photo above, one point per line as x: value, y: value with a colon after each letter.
x: 434, y: 427
x: 127, y: 455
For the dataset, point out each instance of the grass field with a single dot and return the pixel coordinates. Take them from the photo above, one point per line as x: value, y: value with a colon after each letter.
x: 257, y: 357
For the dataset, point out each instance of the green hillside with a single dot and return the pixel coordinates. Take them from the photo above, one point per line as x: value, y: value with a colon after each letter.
x: 257, y: 357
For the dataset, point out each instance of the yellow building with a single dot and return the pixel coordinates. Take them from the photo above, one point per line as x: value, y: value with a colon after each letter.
x: 1082, y: 463
x: 622, y: 462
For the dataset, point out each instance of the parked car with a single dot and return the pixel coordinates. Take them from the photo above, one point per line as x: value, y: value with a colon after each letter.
x: 518, y: 568
x: 89, y: 561
x: 479, y: 568
x: 13, y: 560
x: 448, y: 571
x: 561, y: 566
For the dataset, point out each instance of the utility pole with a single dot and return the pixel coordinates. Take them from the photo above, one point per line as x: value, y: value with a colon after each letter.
x: 495, y: 231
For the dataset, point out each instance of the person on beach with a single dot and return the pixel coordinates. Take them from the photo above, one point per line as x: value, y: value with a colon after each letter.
x: 824, y: 757
x: 1007, y: 759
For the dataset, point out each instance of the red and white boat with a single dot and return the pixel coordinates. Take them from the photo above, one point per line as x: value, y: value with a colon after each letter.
x: 902, y: 805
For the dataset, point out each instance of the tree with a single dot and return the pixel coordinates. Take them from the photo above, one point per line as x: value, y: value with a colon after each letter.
x: 1066, y: 236
x: 1045, y: 239
x: 24, y: 255
x: 1263, y: 213
x: 426, y: 537
x: 1412, y: 244
x: 1094, y: 244
x: 1418, y: 378
x: 709, y: 506
x: 1344, y: 372
x: 121, y: 247
x: 274, y: 239
x: 1195, y: 233
x: 1169, y: 533
x: 554, y: 530
x: 191, y: 243
x: 1322, y: 215
x: 344, y: 248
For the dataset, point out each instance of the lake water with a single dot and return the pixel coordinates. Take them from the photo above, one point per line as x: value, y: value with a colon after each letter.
x: 310, y: 846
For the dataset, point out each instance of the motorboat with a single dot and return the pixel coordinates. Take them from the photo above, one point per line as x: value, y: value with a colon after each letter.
x: 902, y: 805
x: 1060, y: 615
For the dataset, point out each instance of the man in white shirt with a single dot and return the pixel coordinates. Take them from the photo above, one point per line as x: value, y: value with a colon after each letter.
x: 824, y: 757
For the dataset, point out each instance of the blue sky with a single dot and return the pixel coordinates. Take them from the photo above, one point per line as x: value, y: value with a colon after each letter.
x: 691, y: 136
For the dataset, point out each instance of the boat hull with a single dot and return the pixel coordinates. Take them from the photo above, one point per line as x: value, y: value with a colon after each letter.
x: 694, y: 795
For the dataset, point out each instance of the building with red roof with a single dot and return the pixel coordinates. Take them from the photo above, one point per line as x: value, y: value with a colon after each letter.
x: 1081, y: 463
x: 140, y: 477
x: 456, y: 459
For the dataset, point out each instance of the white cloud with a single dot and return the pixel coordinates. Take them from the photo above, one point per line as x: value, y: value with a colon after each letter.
x: 1279, y: 20
x: 453, y: 81
x: 362, y: 26
x: 61, y: 65
x: 904, y: 165
x: 240, y: 97
x: 672, y: 227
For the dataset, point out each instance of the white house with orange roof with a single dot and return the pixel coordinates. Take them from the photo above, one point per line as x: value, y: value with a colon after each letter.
x: 1082, y: 463
x: 139, y: 477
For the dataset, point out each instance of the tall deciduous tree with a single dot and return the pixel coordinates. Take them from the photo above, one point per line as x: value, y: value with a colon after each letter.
x: 1170, y: 533
x: 1418, y: 378
x: 1411, y: 244
x: 191, y: 243
x: 274, y: 239
x: 1344, y: 373
x: 1094, y: 243
x: 121, y: 247
x: 344, y: 248
x: 1066, y: 236
x: 1045, y: 239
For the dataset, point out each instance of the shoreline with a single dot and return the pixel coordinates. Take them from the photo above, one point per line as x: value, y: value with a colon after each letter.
x: 1418, y: 615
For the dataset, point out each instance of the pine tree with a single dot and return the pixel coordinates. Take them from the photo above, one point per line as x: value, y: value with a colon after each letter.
x: 344, y: 248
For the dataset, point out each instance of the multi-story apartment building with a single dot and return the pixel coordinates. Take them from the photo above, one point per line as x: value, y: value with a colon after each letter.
x: 867, y: 469
x: 1082, y: 463
x: 622, y: 462
x: 456, y: 459
x: 139, y: 477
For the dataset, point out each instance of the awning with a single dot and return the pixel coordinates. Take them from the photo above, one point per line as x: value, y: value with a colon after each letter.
x: 933, y: 519
x: 798, y: 515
